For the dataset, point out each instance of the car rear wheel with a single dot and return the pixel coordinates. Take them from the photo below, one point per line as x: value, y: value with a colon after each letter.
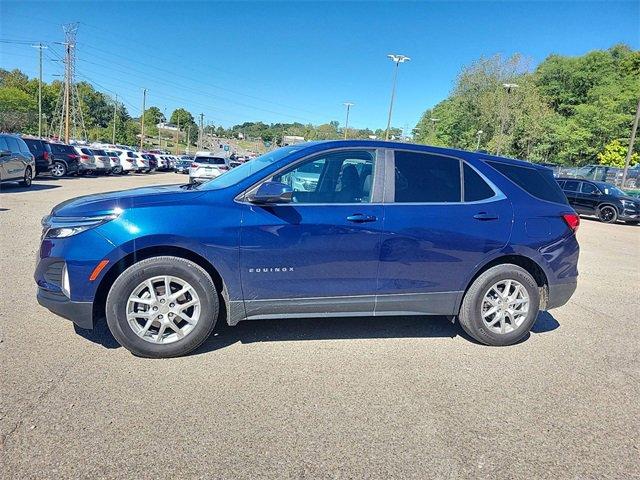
x: 59, y: 169
x: 162, y: 307
x: 501, y: 305
x: 607, y: 214
x: 27, y: 178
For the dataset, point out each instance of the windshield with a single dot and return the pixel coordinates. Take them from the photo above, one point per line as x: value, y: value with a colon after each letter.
x: 612, y: 190
x: 247, y: 169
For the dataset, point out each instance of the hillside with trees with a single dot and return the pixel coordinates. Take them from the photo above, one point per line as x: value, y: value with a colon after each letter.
x: 568, y: 110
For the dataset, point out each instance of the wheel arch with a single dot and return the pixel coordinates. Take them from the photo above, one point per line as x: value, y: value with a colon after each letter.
x: 155, y: 251
x: 530, y: 265
x: 609, y: 204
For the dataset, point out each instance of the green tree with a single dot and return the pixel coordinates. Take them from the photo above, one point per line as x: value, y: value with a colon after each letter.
x: 615, y: 155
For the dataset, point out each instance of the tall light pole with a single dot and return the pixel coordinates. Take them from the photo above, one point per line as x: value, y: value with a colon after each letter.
x: 115, y: 107
x: 634, y: 129
x: 505, y: 107
x: 397, y: 59
x: 40, y: 47
x: 478, y: 134
x: 346, y: 122
x: 433, y: 126
x: 144, y: 101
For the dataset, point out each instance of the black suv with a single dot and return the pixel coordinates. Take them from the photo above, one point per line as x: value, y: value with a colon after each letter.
x: 601, y: 199
x: 65, y: 160
x: 42, y: 153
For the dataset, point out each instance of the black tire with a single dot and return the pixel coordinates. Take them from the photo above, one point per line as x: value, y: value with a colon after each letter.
x: 27, y: 179
x: 132, y: 277
x: 470, y: 316
x: 59, y: 169
x: 607, y: 214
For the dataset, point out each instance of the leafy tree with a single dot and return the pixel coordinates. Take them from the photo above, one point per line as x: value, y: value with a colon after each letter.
x: 615, y: 155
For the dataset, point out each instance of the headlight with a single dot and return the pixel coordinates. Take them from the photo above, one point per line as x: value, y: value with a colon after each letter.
x: 628, y: 204
x: 62, y: 227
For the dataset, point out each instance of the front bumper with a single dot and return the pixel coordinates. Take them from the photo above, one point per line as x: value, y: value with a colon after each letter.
x: 80, y: 313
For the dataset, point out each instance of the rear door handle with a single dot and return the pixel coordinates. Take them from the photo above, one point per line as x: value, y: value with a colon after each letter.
x: 361, y: 218
x: 485, y: 216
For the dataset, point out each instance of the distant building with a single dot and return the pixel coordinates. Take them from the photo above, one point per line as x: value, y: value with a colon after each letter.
x: 292, y: 140
x: 167, y: 126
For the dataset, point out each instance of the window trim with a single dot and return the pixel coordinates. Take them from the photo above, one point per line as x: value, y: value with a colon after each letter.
x: 389, y: 193
x: 377, y: 187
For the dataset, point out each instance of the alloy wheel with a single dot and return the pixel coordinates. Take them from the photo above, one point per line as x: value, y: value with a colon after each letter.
x: 163, y: 309
x: 505, y: 306
x: 58, y: 169
x: 607, y: 214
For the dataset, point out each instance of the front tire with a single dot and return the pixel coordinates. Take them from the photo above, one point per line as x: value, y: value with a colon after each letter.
x: 162, y: 307
x: 27, y: 179
x: 607, y: 214
x: 501, y: 306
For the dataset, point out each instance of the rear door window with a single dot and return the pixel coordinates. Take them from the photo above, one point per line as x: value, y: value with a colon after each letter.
x: 13, y: 145
x: 535, y: 181
x: 475, y: 188
x: 426, y: 178
x: 571, y: 186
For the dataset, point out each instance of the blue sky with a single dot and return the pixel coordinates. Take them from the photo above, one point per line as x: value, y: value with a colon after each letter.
x: 277, y: 61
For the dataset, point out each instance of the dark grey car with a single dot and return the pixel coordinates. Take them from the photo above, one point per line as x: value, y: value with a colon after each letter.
x: 17, y: 163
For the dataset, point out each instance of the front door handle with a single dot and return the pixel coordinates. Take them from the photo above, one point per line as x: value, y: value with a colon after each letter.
x: 485, y: 216
x: 361, y: 218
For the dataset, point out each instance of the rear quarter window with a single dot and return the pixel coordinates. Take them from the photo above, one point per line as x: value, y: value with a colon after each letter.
x: 537, y: 182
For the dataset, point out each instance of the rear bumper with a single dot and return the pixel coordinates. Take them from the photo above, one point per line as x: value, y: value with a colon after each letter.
x: 80, y: 313
x: 560, y: 293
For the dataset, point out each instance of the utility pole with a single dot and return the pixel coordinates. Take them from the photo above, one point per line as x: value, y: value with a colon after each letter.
x: 40, y: 47
x: 67, y: 92
x: 397, y: 59
x: 115, y: 107
x: 632, y: 140
x: 188, y: 137
x: 479, y: 135
x: 505, y: 109
x: 144, y: 101
x: 346, y: 122
x: 178, y: 135
x: 200, y: 131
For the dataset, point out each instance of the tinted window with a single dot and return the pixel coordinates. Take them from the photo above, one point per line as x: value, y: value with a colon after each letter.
x: 588, y: 188
x: 23, y: 146
x: 13, y: 145
x: 3, y: 144
x: 475, y: 188
x: 537, y: 182
x: 59, y: 148
x: 34, y: 145
x: 100, y: 153
x: 422, y: 177
x: 571, y: 186
x: 339, y: 177
x: 131, y: 154
x: 86, y: 151
x: 561, y: 183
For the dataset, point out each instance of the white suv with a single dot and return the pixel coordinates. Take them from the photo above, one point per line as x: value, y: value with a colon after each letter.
x: 206, y: 166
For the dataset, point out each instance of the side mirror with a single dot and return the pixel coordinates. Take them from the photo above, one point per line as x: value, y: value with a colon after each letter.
x: 271, y: 192
x: 5, y: 153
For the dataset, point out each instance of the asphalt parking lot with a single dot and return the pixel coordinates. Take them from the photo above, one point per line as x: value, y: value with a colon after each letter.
x: 339, y: 398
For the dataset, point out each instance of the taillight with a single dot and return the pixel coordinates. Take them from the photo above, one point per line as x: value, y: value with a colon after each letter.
x: 45, y: 155
x: 194, y: 165
x: 84, y: 158
x: 223, y: 167
x: 572, y: 220
x: 72, y: 156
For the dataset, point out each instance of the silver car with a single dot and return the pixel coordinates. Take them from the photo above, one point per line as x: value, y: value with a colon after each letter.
x: 17, y: 163
x: 206, y: 166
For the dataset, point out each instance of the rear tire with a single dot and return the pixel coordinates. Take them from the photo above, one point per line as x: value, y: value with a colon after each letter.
x: 59, y: 169
x: 27, y: 179
x: 475, y: 316
x: 182, y: 272
x: 607, y: 214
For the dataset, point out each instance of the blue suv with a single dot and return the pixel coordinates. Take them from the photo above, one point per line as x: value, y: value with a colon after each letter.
x: 336, y: 228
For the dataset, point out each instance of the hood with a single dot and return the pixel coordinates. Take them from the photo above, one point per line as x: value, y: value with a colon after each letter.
x: 629, y: 198
x: 105, y: 203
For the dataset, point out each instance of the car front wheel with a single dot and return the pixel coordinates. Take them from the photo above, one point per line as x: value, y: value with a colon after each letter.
x: 162, y: 307
x: 607, y: 214
x: 501, y: 305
